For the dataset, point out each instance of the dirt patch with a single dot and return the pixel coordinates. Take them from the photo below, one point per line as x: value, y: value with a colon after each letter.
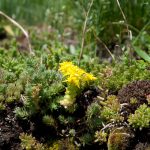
x: 9, y: 130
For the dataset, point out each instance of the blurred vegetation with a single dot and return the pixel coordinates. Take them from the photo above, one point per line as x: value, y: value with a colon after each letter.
x: 105, y: 20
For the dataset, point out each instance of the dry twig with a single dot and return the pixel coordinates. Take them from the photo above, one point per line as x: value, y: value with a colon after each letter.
x: 21, y: 28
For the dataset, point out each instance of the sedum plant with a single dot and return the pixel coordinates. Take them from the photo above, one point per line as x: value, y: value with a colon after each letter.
x: 49, y: 120
x: 111, y: 109
x: 101, y: 137
x: 29, y: 143
x: 141, y: 118
x: 76, y: 79
x: 93, y: 118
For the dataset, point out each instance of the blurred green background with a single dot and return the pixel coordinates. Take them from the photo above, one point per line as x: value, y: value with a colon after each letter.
x: 105, y: 20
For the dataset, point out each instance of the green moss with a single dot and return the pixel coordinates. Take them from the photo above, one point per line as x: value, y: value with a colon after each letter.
x: 2, y: 106
x: 125, y: 72
x: 29, y: 143
x: 2, y: 98
x: 63, y: 144
x: 93, y: 113
x: 133, y: 101
x: 22, y: 113
x: 86, y: 139
x: 49, y: 120
x: 110, y: 110
x: 101, y: 137
x: 119, y: 139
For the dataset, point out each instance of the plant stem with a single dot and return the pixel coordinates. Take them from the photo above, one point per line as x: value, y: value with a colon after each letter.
x: 124, y: 17
x: 100, y: 41
x: 84, y: 31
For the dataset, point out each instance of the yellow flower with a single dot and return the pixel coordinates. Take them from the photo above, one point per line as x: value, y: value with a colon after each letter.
x: 76, y: 79
x: 74, y: 75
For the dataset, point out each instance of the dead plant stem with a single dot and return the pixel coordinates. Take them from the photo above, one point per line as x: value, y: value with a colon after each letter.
x: 21, y: 28
x: 84, y: 31
x: 125, y: 19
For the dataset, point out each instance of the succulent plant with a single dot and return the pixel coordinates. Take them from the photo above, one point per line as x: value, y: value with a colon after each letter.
x: 77, y: 79
x: 29, y: 143
x: 101, y: 137
x: 141, y: 118
x: 93, y: 113
x: 111, y: 110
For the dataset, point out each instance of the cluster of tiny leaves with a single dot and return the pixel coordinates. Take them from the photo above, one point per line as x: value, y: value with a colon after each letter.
x: 141, y: 118
x: 29, y: 143
x: 100, y: 136
x: 93, y: 113
x: 110, y: 110
x: 124, y: 72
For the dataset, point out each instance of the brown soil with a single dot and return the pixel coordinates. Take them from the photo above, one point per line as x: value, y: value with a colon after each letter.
x: 9, y: 130
x: 11, y: 127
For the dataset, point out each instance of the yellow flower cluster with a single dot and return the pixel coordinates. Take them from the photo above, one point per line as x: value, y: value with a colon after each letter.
x: 76, y: 79
x: 74, y: 75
